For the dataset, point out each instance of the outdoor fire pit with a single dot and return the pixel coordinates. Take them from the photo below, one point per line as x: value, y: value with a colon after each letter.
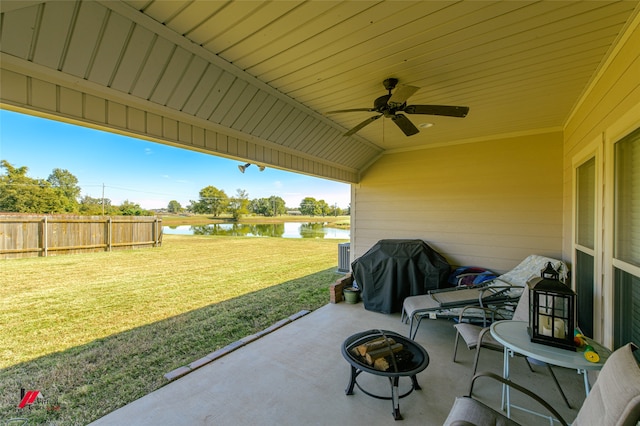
x: 384, y: 353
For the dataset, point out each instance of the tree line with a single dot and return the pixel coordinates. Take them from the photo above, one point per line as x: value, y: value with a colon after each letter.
x: 216, y: 202
x: 60, y: 193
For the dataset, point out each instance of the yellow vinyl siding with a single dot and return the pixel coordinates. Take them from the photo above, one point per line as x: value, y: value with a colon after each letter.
x: 608, y: 111
x: 615, y: 93
x: 488, y: 203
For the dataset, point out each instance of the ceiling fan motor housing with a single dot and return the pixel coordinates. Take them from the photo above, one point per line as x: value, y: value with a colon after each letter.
x: 380, y: 104
x: 390, y: 83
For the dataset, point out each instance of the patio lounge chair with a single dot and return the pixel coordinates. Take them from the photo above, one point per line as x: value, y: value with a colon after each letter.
x: 507, y: 288
x: 613, y: 400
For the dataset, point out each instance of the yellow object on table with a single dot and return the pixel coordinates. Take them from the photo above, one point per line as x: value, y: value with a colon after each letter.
x: 590, y: 354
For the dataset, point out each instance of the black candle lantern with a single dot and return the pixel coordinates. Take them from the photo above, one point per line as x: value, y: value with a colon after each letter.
x: 552, y: 308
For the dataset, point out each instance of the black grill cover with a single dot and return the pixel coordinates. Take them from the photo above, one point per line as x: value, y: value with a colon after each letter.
x: 394, y: 269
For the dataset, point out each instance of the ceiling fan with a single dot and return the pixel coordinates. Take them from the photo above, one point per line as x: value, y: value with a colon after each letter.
x: 391, y: 105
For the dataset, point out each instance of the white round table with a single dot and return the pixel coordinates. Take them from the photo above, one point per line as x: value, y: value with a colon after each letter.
x: 513, y: 335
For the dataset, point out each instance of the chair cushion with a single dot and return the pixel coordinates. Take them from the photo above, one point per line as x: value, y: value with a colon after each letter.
x: 470, y: 334
x: 469, y: 411
x: 457, y: 297
x: 615, y: 397
x: 531, y: 267
x: 416, y: 303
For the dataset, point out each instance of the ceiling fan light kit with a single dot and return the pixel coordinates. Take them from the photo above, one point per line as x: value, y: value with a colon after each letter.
x: 391, y: 105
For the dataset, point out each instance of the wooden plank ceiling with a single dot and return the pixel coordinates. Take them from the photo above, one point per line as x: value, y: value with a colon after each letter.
x: 271, y: 70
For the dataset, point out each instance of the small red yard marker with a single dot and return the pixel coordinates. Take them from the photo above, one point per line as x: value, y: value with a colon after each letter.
x: 29, y: 398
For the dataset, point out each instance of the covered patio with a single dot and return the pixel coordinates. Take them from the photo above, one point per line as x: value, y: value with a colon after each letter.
x: 553, y: 92
x: 551, y: 88
x: 297, y: 375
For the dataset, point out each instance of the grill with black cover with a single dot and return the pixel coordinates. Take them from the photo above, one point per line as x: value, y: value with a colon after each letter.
x: 394, y: 269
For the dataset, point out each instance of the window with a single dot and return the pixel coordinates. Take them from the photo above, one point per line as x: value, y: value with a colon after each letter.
x: 627, y: 199
x: 586, y: 205
x: 584, y: 271
x: 626, y: 244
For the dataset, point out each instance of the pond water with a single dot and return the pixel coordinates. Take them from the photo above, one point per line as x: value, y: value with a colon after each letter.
x: 280, y: 230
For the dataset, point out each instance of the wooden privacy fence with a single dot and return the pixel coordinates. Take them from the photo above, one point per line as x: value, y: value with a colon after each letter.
x: 48, y: 235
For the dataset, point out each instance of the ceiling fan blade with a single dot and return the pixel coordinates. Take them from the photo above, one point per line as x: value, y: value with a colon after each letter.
x: 401, y: 94
x: 350, y: 110
x: 447, y: 110
x: 405, y: 124
x: 361, y: 125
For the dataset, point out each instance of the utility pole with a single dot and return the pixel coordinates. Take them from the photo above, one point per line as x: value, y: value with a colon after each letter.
x: 103, y: 199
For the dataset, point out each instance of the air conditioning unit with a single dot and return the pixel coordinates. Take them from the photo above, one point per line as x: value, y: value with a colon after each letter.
x: 344, y: 256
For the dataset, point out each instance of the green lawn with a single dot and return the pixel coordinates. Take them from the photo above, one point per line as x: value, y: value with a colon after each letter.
x: 95, y: 331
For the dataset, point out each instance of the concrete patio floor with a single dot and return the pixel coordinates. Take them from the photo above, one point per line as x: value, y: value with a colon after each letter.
x: 296, y: 375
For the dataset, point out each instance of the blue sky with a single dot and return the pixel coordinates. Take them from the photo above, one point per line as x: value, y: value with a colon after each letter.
x: 146, y: 173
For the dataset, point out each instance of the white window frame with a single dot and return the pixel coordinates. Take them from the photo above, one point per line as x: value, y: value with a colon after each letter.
x: 614, y: 133
x: 592, y: 150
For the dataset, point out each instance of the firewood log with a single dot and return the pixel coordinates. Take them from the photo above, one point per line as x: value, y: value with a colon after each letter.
x: 381, y: 364
x: 402, y: 361
x: 374, y: 344
x: 371, y: 356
